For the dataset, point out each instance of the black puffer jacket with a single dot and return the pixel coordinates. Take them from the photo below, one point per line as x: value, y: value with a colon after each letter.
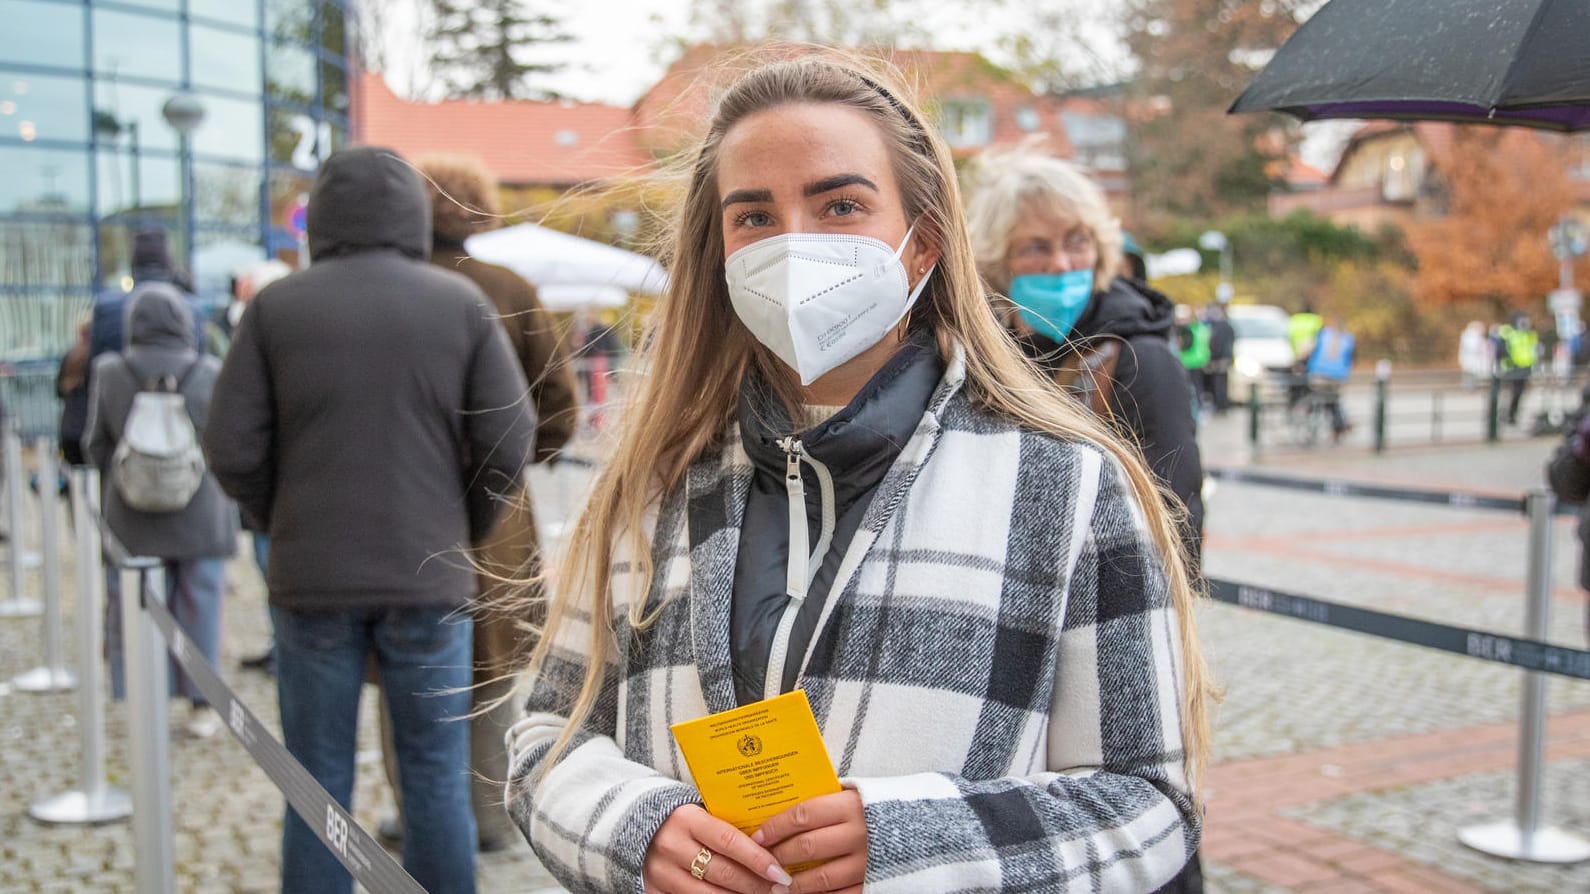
x: 1151, y: 396
x: 855, y: 448
x: 370, y: 406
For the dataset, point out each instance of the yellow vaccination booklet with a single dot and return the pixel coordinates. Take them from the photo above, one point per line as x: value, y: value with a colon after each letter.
x: 758, y: 760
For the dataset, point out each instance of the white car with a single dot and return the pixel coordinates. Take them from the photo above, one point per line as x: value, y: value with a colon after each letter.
x: 1263, y: 347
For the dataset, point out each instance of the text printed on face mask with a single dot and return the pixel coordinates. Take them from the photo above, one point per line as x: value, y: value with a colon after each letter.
x: 833, y: 334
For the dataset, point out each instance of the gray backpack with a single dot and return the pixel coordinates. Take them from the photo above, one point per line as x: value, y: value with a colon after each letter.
x: 158, y: 465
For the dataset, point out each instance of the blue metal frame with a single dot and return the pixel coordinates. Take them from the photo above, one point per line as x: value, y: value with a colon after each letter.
x: 94, y: 146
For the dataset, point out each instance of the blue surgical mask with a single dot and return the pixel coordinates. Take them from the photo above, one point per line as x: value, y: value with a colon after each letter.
x: 1051, y: 302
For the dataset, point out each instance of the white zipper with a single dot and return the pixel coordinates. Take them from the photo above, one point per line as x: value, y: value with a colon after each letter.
x: 801, y: 568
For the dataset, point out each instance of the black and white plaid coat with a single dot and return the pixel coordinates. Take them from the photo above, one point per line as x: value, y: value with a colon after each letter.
x: 998, y: 677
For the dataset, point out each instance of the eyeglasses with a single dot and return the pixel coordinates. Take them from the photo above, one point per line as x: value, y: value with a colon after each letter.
x: 1076, y: 245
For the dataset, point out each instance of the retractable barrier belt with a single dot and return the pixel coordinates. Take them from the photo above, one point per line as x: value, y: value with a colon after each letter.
x: 1522, y: 653
x: 1455, y: 499
x: 370, y: 865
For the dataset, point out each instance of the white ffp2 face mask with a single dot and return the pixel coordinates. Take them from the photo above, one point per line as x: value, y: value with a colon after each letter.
x: 816, y: 299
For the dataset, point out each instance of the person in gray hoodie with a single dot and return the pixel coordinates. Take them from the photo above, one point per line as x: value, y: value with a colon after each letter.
x: 371, y: 418
x: 196, y: 540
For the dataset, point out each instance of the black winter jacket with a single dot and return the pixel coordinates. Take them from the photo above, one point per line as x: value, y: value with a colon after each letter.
x: 1152, y: 395
x: 854, y: 448
x: 369, y: 408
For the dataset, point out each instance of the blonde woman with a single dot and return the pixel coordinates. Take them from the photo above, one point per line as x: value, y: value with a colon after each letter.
x: 1043, y: 234
x: 984, y: 599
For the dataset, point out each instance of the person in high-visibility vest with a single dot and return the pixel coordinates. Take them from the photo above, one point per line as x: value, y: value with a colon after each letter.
x: 1192, y: 344
x: 1515, y: 355
x: 1301, y: 330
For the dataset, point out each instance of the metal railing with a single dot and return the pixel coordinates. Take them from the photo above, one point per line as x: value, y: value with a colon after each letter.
x: 27, y: 390
x: 1406, y: 409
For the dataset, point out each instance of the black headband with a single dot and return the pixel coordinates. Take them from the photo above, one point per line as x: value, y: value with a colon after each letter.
x: 899, y: 107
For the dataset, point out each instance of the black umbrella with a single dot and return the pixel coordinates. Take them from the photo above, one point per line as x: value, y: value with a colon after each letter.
x: 1522, y: 62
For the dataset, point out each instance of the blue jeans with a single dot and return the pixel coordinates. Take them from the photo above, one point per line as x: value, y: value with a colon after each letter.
x: 262, y: 550
x: 193, y: 593
x: 423, y: 657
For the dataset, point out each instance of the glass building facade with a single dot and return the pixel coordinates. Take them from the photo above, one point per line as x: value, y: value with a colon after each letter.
x: 87, y: 157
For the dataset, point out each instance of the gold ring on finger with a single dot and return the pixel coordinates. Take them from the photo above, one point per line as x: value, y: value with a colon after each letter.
x: 698, y: 866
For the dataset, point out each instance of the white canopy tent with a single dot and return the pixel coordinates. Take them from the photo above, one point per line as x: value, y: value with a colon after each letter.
x: 1176, y: 262
x: 569, y: 272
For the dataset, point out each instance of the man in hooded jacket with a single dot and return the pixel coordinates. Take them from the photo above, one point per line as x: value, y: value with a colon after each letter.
x: 370, y: 416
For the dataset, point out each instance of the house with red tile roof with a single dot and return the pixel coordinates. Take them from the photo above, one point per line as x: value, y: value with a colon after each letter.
x: 524, y: 142
x: 975, y: 104
x: 1387, y: 176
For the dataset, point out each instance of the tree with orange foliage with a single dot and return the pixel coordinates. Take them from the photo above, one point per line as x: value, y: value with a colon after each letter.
x: 1500, y: 191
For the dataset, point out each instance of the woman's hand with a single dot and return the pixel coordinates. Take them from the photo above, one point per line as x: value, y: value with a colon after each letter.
x: 737, y: 864
x: 831, y: 828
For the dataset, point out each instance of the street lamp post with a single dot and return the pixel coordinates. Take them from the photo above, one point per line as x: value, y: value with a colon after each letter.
x: 185, y: 113
x: 1214, y: 240
x: 137, y: 173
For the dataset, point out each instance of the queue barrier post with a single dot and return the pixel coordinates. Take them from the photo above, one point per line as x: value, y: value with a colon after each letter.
x: 1255, y: 417
x: 18, y: 558
x: 1523, y: 837
x: 53, y: 675
x: 1493, y: 410
x: 149, y: 742
x: 94, y: 801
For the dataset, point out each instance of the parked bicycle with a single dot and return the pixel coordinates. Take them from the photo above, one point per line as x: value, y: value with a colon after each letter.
x: 1313, y: 411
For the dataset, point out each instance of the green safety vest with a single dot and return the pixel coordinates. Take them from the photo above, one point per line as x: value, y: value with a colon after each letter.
x: 1301, y: 330
x: 1196, y: 355
x: 1520, y: 345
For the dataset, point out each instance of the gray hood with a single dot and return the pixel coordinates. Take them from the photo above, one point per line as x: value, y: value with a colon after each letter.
x: 368, y: 198
x: 158, y: 316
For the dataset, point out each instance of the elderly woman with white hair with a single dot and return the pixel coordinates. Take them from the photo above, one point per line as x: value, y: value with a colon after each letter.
x: 1044, y: 235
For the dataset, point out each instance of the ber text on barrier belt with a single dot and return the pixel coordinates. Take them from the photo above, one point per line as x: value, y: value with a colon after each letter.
x: 1528, y: 654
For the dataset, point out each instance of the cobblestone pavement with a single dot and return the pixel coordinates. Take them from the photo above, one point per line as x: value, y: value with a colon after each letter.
x: 1422, y: 822
x: 1293, y: 690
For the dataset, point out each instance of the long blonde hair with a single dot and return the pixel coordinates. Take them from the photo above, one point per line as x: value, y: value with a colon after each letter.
x: 697, y: 353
